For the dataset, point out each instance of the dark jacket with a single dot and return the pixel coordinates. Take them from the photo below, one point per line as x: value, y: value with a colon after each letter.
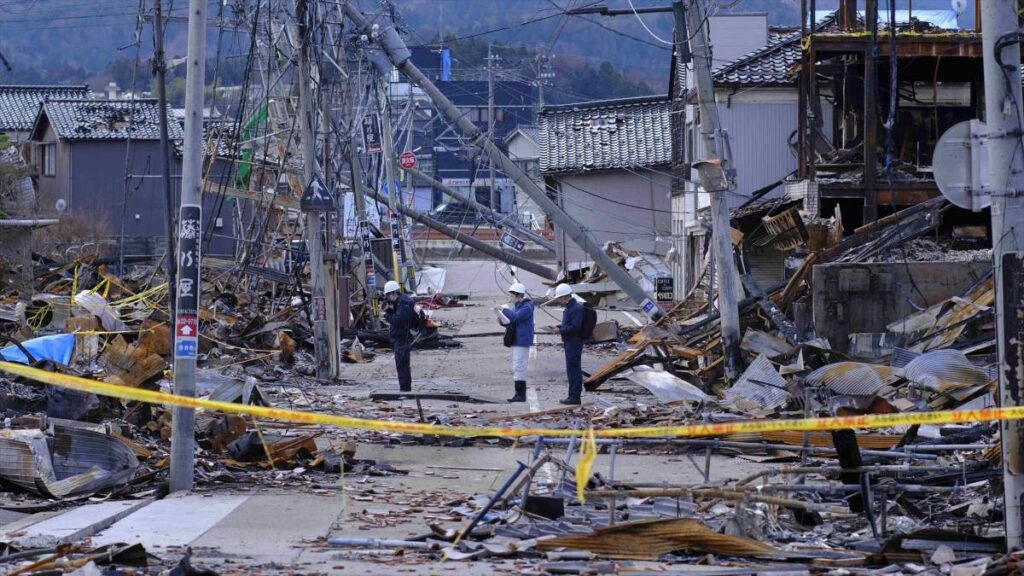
x: 400, y: 319
x: 572, y: 322
x: 522, y: 317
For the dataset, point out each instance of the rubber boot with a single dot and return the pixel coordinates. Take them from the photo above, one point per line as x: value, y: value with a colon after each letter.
x: 520, y: 392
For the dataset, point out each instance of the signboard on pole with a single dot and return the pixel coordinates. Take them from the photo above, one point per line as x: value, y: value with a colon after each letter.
x: 407, y: 160
x: 186, y: 331
x: 512, y: 243
x: 664, y: 288
x: 317, y: 197
x: 371, y: 135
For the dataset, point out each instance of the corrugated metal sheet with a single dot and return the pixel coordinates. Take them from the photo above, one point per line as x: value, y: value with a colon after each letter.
x: 945, y: 370
x: 649, y: 539
x: 901, y: 357
x: 760, y: 388
x: 72, y: 461
x: 853, y: 378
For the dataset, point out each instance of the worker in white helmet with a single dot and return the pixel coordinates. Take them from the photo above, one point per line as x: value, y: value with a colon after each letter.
x: 400, y: 313
x: 519, y: 337
x: 571, y: 330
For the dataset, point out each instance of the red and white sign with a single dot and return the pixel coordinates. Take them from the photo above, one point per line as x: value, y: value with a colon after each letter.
x: 407, y: 160
x: 187, y: 327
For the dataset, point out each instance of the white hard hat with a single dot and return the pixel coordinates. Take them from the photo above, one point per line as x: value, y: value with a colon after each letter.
x: 517, y: 288
x: 390, y: 286
x: 562, y: 290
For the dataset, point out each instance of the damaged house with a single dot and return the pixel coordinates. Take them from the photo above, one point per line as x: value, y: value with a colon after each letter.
x: 100, y: 160
x: 19, y: 106
x: 607, y: 163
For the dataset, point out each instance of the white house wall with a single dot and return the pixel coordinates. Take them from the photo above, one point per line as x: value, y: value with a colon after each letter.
x: 617, y: 206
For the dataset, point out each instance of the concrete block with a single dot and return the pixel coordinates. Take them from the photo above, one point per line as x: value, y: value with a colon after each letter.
x: 73, y: 524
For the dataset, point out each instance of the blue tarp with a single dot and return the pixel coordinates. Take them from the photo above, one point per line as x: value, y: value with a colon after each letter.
x: 57, y: 347
x: 446, y: 65
x: 945, y: 19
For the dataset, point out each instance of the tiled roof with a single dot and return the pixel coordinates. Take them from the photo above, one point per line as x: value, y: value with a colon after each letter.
x: 109, y: 119
x: 20, y: 104
x: 606, y: 135
x: 531, y: 131
x: 771, y: 65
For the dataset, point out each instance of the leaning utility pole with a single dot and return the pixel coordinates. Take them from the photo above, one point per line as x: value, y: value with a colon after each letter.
x: 313, y: 228
x: 490, y: 126
x: 160, y: 67
x: 717, y: 163
x: 394, y: 200
x: 398, y: 53
x: 1003, y: 113
x: 190, y: 234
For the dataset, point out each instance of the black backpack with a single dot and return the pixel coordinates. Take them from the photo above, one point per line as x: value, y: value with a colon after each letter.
x: 589, y: 321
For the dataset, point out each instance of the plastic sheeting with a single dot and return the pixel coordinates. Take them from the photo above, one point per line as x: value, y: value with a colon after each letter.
x: 56, y: 348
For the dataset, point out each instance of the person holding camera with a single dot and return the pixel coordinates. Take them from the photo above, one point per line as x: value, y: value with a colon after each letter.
x: 400, y: 313
x: 519, y: 337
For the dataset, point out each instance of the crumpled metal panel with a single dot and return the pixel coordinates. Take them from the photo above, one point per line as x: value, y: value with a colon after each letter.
x: 901, y: 357
x: 760, y: 387
x: 72, y: 461
x: 945, y: 370
x: 853, y: 378
x: 666, y: 386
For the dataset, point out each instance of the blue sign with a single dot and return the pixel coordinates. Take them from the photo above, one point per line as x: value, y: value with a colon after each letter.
x: 186, y: 348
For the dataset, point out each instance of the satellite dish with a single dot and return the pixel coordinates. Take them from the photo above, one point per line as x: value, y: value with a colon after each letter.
x: 61, y: 206
x: 960, y: 165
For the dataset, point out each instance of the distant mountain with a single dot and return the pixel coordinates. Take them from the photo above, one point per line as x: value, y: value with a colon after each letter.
x: 71, y: 41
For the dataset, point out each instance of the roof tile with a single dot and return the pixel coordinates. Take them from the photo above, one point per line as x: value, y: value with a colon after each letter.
x: 606, y: 135
x: 19, y: 105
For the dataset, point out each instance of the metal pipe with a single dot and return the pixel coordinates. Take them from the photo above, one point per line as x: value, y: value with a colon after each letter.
x: 490, y: 503
x: 715, y: 493
x: 381, y: 543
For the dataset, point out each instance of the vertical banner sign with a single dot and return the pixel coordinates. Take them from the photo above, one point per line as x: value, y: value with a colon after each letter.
x: 186, y: 325
x: 371, y: 135
x: 664, y: 288
x: 1012, y: 309
x: 371, y: 273
x: 396, y: 247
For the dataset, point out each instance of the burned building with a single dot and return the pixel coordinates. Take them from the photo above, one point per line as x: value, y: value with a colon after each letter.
x: 877, y: 88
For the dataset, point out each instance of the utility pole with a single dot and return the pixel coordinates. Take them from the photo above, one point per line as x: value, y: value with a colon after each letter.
x: 160, y: 67
x: 394, y: 201
x: 870, y: 113
x: 364, y: 268
x: 490, y: 125
x: 1000, y: 44
x: 717, y: 179
x: 190, y: 234
x: 313, y: 228
x: 399, y: 55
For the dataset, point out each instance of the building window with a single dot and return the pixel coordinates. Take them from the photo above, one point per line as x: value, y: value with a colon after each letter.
x: 49, y: 159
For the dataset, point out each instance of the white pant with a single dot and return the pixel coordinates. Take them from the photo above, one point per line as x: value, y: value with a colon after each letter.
x: 520, y: 362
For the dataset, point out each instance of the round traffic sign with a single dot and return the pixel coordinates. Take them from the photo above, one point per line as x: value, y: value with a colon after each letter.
x: 407, y: 160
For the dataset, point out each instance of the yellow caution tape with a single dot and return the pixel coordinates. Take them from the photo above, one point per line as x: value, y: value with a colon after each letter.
x: 685, y: 431
x: 588, y: 453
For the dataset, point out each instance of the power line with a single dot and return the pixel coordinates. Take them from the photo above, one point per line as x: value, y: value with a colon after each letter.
x: 644, y: 24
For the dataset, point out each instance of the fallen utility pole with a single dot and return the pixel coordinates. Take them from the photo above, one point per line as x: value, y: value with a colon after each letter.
x: 718, y: 164
x: 399, y: 55
x: 190, y: 222
x: 313, y: 228
x: 1001, y: 53
x: 494, y: 218
x: 479, y: 245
